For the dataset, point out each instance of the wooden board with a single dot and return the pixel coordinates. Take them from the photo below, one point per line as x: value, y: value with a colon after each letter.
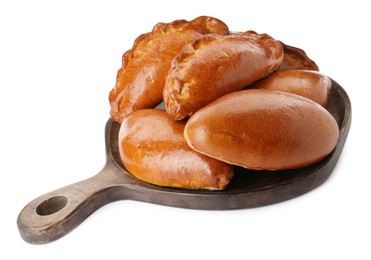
x: 54, y: 214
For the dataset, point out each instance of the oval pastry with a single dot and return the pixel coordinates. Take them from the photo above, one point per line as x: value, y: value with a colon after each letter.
x: 141, y: 79
x: 307, y: 83
x: 263, y: 130
x: 216, y: 65
x: 153, y: 149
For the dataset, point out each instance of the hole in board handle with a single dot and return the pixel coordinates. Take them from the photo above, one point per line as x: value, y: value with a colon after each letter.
x: 51, y: 205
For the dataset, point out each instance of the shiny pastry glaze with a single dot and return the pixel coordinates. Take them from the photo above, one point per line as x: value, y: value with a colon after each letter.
x: 141, y: 79
x: 153, y: 149
x: 263, y: 129
x: 215, y: 65
x: 307, y: 83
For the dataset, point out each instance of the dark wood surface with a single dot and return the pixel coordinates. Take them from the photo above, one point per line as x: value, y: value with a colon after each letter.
x: 54, y: 214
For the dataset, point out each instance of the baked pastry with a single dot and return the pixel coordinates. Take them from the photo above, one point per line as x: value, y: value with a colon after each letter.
x: 153, y: 149
x: 215, y: 65
x: 141, y: 79
x: 263, y: 129
x: 307, y: 83
x: 295, y: 58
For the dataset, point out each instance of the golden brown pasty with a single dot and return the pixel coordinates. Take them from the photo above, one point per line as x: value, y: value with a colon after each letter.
x: 141, y: 79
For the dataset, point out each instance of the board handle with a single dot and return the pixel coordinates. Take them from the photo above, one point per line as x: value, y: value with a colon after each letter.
x: 56, y: 213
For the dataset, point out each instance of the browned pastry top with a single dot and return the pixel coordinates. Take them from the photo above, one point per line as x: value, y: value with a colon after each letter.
x: 216, y: 65
x: 141, y: 79
x: 263, y: 129
x: 307, y: 83
x: 153, y: 149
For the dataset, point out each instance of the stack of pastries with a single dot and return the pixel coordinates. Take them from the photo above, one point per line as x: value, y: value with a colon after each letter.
x: 230, y: 99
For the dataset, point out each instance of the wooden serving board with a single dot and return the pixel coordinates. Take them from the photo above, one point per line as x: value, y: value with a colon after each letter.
x: 54, y: 214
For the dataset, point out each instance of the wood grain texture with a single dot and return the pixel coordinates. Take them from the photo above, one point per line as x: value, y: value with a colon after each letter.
x: 54, y: 214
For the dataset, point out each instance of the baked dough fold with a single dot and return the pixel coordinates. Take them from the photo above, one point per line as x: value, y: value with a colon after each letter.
x: 215, y: 65
x: 140, y: 80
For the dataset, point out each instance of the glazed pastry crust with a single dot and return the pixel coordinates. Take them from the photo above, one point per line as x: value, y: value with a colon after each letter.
x: 306, y: 83
x: 153, y: 149
x: 140, y: 80
x: 215, y: 65
x: 263, y: 130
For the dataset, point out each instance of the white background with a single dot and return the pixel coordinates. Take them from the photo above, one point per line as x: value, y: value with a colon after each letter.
x: 58, y: 61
